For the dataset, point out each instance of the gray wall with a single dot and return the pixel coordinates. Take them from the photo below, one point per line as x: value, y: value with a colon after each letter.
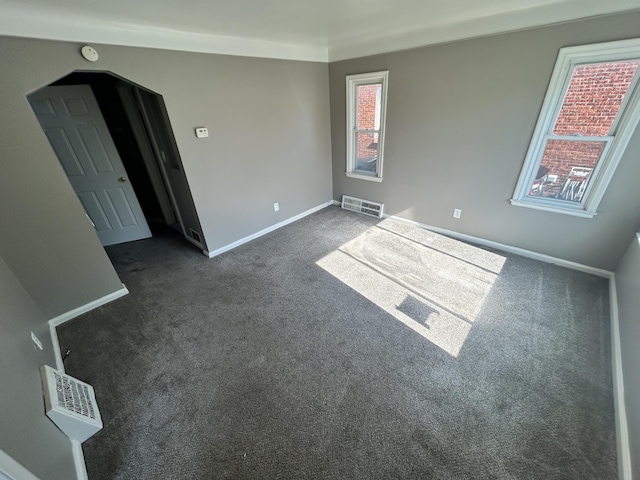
x: 46, y: 238
x: 628, y: 286
x: 269, y: 142
x: 459, y: 120
x: 26, y: 434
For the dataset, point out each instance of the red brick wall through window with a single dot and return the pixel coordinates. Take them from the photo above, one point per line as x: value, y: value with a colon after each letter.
x: 589, y: 108
x: 367, y: 97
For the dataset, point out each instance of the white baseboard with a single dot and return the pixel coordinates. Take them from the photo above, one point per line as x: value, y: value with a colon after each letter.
x: 78, y: 456
x: 78, y: 460
x: 622, y: 431
x: 9, y: 468
x: 278, y: 225
x: 65, y: 317
x: 56, y: 348
x: 508, y: 248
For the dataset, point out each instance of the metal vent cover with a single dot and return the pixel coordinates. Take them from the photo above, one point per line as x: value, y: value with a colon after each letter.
x: 70, y: 404
x: 373, y: 209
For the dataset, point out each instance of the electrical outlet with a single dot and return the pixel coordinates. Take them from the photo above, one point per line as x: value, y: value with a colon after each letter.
x: 457, y: 212
x: 276, y: 207
x: 36, y: 341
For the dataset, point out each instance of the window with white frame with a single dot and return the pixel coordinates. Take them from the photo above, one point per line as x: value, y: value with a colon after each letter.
x: 589, y: 114
x: 366, y: 107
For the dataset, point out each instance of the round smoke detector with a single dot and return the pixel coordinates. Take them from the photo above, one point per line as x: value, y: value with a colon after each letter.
x: 89, y: 53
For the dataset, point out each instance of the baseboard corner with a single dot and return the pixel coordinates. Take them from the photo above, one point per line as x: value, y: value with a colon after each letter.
x: 65, y: 317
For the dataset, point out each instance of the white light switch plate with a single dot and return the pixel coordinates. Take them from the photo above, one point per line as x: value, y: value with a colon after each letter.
x: 202, y: 132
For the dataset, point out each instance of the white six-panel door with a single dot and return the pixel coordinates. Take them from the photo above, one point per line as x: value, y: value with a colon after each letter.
x: 75, y: 127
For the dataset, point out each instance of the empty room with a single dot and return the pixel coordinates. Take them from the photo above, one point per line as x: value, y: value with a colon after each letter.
x: 382, y: 239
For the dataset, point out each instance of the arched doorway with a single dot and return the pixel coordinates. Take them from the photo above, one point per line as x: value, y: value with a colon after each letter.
x: 137, y: 125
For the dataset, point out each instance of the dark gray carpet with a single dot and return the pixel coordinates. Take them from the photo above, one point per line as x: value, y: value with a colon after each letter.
x: 342, y: 347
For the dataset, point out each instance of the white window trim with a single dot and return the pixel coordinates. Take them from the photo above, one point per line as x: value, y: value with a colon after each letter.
x: 625, y: 125
x: 353, y: 81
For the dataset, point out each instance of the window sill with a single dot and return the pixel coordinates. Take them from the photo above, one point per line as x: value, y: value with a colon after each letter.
x: 553, y: 209
x: 371, y: 178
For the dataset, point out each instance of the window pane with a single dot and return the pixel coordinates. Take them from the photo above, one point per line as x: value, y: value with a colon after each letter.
x: 594, y: 97
x: 366, y: 152
x: 368, y: 114
x: 566, y: 168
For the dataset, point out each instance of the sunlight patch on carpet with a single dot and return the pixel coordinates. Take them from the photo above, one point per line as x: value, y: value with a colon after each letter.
x: 431, y: 283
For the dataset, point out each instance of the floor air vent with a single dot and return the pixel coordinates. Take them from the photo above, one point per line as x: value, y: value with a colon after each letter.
x: 354, y: 204
x: 70, y: 404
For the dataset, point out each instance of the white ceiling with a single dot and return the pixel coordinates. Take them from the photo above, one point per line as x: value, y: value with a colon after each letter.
x: 317, y: 30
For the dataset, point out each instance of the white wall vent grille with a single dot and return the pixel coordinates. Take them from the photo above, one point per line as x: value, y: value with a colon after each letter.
x: 70, y: 404
x: 367, y: 207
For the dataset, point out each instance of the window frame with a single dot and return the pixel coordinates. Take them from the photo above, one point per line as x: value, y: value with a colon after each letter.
x: 353, y: 82
x: 621, y: 131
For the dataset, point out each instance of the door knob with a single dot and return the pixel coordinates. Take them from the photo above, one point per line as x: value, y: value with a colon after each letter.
x: 122, y: 179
